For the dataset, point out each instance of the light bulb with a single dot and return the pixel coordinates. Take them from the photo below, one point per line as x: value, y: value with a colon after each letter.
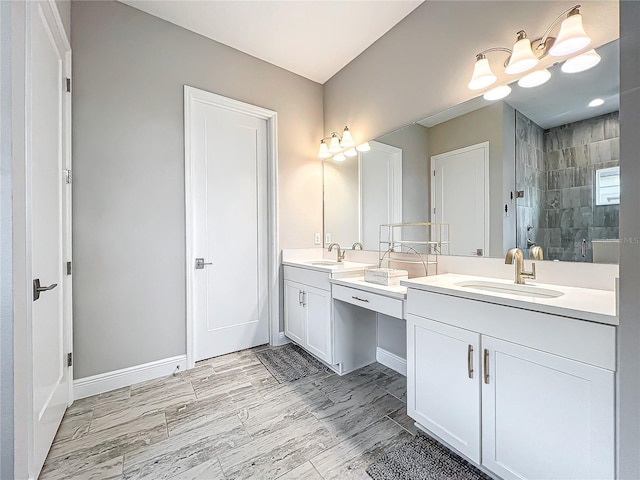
x: 334, y: 145
x: 535, y: 79
x: 347, y: 141
x: 522, y: 58
x: 364, y: 147
x: 339, y: 157
x: 571, y: 38
x: 351, y: 153
x: 596, y: 102
x: 581, y: 62
x: 482, y: 76
x: 324, y: 150
x: 497, y: 93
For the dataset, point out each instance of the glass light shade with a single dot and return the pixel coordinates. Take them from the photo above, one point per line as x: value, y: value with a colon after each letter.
x: 571, y: 37
x: 482, y: 76
x: 351, y: 153
x: 522, y: 58
x: 339, y: 157
x: 334, y: 146
x: 347, y: 141
x: 535, y: 79
x: 497, y: 93
x: 596, y: 102
x: 364, y: 147
x: 324, y: 150
x: 581, y: 62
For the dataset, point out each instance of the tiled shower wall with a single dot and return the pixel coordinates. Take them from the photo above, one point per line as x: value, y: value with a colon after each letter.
x: 567, y: 213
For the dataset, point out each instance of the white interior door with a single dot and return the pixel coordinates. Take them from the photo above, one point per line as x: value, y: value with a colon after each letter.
x: 47, y: 147
x: 228, y: 159
x: 380, y: 191
x: 460, y: 197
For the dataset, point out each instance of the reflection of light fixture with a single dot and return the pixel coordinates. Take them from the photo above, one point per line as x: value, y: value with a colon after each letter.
x: 482, y: 74
x: 582, y: 62
x: 351, y: 153
x: 339, y: 157
x: 364, y: 147
x: 337, y: 144
x: 522, y: 58
x: 497, y: 93
x: 596, y: 102
x: 526, y: 53
x: 535, y: 79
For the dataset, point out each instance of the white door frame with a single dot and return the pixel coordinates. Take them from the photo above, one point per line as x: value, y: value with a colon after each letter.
x: 273, y: 273
x: 22, y: 234
x: 484, y: 146
x: 395, y: 184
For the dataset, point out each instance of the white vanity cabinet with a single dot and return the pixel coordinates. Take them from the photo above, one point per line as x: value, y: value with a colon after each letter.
x: 524, y: 394
x: 307, y: 311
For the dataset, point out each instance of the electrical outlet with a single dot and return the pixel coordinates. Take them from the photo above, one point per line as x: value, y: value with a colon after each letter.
x: 327, y: 238
x: 316, y: 239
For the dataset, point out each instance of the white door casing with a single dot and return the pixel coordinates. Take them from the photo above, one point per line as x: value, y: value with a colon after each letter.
x: 460, y: 197
x: 48, y: 246
x: 380, y: 178
x: 229, y: 156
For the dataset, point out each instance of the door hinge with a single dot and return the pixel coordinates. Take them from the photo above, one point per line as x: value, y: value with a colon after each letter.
x: 69, y: 359
x: 67, y: 176
x: 68, y: 85
x: 68, y: 268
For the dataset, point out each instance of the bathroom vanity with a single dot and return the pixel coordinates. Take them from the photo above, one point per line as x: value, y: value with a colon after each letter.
x: 521, y: 385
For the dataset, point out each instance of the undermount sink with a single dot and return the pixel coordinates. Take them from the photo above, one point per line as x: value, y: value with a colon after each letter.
x: 511, y: 289
x: 323, y: 263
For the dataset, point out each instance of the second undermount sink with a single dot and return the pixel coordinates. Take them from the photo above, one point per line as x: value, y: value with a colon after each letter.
x: 511, y: 289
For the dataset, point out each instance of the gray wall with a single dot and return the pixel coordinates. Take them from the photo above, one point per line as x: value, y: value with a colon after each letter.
x: 414, y: 142
x: 6, y: 249
x: 628, y: 381
x: 484, y: 125
x: 128, y: 164
x: 64, y: 8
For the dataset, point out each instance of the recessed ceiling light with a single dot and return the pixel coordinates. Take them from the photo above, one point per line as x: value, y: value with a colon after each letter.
x: 596, y: 102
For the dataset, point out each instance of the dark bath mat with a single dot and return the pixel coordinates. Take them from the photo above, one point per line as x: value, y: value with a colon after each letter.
x: 424, y: 459
x: 289, y: 363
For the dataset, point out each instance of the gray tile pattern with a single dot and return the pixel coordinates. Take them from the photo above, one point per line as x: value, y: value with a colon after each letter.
x: 229, y: 419
x: 556, y: 169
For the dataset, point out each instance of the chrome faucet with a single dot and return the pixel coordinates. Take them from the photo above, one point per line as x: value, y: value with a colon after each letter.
x: 514, y: 255
x: 340, y: 251
x: 357, y: 246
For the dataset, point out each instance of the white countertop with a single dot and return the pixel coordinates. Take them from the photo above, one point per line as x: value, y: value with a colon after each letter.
x: 330, y: 266
x: 393, y: 291
x: 583, y: 303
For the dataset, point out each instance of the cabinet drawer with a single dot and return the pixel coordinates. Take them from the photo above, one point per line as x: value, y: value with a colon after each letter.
x: 307, y: 277
x: 371, y: 301
x: 580, y: 340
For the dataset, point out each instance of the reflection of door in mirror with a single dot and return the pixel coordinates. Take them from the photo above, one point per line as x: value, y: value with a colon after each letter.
x: 460, y: 197
x: 380, y: 191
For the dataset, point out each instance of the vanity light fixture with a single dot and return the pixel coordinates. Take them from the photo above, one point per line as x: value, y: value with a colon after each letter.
x: 340, y: 157
x: 535, y: 79
x: 582, y: 62
x: 596, y: 102
x: 337, y: 143
x: 363, y: 147
x: 497, y: 93
x: 351, y: 153
x: 526, y: 53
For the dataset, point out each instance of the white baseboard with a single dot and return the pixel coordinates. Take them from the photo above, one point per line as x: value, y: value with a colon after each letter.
x: 391, y: 360
x: 281, y: 340
x: 105, y: 382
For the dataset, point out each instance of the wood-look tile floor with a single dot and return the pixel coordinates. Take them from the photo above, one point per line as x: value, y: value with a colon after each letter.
x: 228, y: 418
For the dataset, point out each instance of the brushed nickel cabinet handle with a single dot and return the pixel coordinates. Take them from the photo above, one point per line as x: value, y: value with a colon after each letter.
x: 304, y: 299
x: 470, y: 361
x: 300, y: 297
x: 360, y: 299
x: 486, y: 366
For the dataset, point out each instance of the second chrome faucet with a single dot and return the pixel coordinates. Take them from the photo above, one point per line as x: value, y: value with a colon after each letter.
x: 340, y: 251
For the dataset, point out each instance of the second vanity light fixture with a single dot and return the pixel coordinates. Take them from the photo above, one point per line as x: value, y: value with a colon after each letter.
x: 526, y: 55
x: 341, y: 147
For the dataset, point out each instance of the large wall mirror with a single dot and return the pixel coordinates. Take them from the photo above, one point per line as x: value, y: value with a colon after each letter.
x: 539, y: 168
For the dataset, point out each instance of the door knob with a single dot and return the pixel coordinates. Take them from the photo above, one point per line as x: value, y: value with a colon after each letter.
x: 37, y: 288
x: 200, y: 263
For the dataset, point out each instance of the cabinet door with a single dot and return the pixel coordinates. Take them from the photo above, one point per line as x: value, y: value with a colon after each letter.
x: 545, y: 416
x: 443, y: 382
x: 294, y: 312
x: 317, y: 304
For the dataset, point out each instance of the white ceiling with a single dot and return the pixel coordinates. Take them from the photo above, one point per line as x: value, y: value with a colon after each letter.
x: 313, y: 38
